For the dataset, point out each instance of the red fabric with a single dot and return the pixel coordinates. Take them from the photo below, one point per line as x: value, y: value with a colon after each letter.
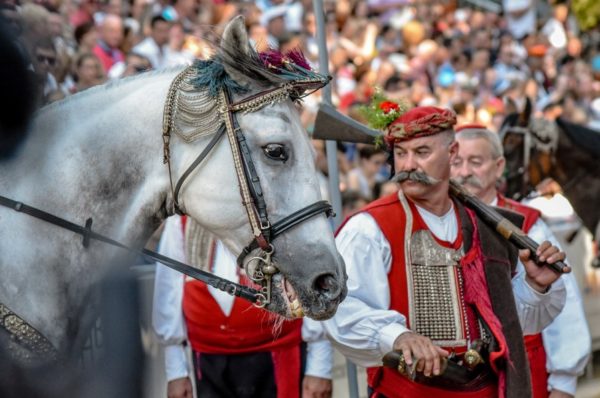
x: 390, y: 217
x: 287, y: 366
x: 108, y: 58
x: 420, y: 122
x: 246, y: 329
x: 531, y: 215
x: 389, y: 384
x: 476, y: 289
x: 469, y: 126
x: 536, y: 354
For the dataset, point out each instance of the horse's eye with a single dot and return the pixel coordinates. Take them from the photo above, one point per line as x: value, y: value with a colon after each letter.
x: 276, y: 152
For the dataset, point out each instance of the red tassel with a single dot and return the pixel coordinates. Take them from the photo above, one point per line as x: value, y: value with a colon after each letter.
x: 476, y: 294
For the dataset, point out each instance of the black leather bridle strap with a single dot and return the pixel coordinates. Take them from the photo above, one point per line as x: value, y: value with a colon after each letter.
x: 232, y: 288
x: 193, y: 166
x: 289, y: 222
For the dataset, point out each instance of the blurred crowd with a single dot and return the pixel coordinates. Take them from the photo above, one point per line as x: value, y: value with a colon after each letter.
x: 481, y: 59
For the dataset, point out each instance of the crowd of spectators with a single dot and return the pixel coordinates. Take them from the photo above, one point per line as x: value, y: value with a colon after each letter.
x: 482, y: 61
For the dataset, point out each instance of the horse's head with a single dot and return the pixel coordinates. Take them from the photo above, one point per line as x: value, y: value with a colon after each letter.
x: 529, y: 147
x: 259, y: 173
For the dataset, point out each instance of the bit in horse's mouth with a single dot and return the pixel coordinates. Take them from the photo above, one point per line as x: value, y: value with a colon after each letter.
x: 291, y: 299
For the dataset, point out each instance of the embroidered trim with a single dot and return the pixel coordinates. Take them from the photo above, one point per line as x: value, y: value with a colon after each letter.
x: 26, y: 343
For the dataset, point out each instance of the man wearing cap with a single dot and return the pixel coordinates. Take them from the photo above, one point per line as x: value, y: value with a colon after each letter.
x: 428, y: 280
x: 478, y: 166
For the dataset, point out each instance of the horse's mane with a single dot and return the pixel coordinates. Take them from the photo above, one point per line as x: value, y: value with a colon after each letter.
x: 106, y: 86
x: 585, y: 138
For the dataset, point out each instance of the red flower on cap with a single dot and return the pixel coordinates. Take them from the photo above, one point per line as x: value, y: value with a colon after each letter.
x: 420, y: 122
x: 388, y: 106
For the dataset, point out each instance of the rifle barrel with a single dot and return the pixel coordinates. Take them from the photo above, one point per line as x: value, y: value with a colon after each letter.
x: 503, y: 226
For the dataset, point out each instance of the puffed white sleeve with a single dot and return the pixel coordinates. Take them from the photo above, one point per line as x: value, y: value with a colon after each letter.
x: 319, y: 355
x: 167, y: 315
x: 364, y: 328
x: 566, y: 356
x: 536, y: 310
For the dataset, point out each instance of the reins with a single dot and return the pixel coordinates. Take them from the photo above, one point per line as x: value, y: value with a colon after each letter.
x: 250, y: 190
x: 86, y: 232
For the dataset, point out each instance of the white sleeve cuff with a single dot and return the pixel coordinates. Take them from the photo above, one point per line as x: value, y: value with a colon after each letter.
x: 175, y: 362
x: 319, y: 359
x: 388, y: 335
x: 532, y: 297
x: 562, y: 382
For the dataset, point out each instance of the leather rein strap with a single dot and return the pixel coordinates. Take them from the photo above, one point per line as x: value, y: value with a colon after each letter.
x: 225, y: 285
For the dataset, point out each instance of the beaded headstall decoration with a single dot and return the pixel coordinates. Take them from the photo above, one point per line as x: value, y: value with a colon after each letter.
x: 205, y: 90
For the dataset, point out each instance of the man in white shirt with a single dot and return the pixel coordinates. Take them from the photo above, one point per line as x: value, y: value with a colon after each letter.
x: 155, y: 46
x: 478, y: 166
x: 238, y: 350
x: 427, y: 279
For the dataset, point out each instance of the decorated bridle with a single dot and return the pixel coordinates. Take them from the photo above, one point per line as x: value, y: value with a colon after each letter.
x: 263, y: 231
x: 30, y: 340
x: 530, y: 140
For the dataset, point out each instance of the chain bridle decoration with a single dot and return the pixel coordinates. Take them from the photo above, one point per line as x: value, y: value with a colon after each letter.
x: 249, y: 183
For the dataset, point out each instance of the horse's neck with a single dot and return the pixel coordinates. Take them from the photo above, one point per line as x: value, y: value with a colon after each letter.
x: 99, y: 155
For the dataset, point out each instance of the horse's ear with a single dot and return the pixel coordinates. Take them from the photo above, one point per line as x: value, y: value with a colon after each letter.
x: 526, y: 113
x: 509, y: 105
x: 233, y: 43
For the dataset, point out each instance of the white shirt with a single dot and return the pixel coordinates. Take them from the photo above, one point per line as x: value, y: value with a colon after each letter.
x: 364, y: 328
x: 567, y: 339
x: 149, y: 49
x: 167, y: 316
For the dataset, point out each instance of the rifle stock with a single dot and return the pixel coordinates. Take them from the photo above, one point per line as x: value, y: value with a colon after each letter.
x: 504, y: 227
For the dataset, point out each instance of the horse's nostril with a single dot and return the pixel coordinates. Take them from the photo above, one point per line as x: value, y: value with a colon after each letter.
x: 327, y: 285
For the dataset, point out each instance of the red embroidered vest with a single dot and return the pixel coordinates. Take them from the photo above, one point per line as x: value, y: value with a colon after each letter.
x: 392, y: 219
x: 246, y: 329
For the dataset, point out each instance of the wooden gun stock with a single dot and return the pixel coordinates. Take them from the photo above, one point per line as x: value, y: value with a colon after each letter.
x: 504, y: 227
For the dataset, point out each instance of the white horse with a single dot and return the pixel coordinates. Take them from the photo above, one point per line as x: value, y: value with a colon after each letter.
x: 99, y: 154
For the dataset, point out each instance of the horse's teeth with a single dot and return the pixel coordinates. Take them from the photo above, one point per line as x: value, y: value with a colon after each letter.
x: 296, y: 309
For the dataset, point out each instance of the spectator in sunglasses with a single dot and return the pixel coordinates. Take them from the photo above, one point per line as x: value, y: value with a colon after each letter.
x: 44, y: 63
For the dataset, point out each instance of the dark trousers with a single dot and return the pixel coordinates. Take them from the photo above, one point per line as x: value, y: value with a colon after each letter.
x: 235, y: 376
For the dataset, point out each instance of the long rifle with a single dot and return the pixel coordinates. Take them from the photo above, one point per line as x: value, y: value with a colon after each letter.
x: 503, y: 226
x: 332, y: 125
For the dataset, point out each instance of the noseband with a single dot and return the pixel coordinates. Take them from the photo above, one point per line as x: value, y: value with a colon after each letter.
x: 251, y: 192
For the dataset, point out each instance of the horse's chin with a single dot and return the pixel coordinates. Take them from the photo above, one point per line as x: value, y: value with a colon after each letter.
x: 292, y: 302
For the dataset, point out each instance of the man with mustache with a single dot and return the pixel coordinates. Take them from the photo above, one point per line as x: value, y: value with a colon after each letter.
x: 478, y: 166
x: 429, y: 280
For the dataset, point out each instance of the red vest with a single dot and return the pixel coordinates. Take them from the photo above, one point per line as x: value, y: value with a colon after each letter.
x: 246, y: 330
x: 531, y: 215
x: 391, y: 219
x: 533, y: 343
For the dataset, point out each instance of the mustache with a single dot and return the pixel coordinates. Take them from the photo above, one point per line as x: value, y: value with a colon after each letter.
x: 470, y: 180
x: 416, y: 176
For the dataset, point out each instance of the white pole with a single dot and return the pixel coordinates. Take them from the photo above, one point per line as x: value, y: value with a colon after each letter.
x: 332, y: 165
